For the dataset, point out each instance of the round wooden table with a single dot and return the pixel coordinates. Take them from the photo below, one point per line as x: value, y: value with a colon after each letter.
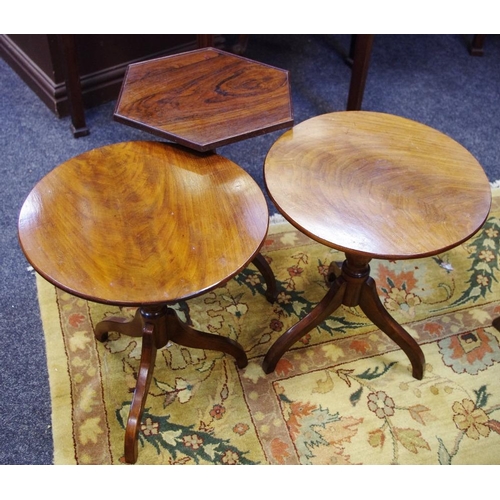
x: 373, y: 185
x: 145, y: 224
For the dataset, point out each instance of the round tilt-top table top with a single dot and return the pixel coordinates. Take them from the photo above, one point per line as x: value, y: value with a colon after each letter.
x: 142, y: 223
x: 378, y: 185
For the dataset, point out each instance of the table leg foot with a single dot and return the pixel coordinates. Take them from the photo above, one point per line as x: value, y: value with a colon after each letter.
x: 264, y: 268
x: 371, y: 305
x: 130, y: 327
x: 148, y: 356
x: 330, y: 302
x: 185, y: 335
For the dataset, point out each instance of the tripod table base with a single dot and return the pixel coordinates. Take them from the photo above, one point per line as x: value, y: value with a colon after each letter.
x: 354, y: 287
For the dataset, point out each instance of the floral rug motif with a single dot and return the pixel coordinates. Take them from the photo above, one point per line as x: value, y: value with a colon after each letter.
x: 343, y: 394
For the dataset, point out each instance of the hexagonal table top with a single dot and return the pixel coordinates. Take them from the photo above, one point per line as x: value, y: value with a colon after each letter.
x: 205, y: 98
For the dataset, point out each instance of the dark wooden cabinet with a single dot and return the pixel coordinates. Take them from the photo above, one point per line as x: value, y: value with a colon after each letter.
x: 102, y: 60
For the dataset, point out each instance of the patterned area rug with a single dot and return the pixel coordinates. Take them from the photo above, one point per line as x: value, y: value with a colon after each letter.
x: 342, y: 395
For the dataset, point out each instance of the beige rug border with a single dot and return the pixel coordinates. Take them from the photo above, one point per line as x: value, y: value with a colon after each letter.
x: 59, y: 383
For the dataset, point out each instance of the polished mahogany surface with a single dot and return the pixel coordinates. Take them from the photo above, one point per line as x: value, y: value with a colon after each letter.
x: 378, y: 185
x: 143, y: 223
x: 205, y: 98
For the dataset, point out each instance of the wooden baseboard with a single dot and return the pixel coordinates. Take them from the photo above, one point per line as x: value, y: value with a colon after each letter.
x: 31, y: 74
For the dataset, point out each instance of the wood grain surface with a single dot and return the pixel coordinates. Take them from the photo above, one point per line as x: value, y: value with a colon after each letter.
x: 377, y: 184
x: 205, y: 98
x: 142, y: 223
